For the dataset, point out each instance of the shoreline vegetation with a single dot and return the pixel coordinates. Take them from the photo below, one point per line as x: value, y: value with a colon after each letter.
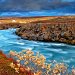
x: 47, y: 28
x: 7, y: 66
x: 28, y: 63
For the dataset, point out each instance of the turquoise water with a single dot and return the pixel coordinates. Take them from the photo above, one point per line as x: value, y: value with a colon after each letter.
x: 52, y: 51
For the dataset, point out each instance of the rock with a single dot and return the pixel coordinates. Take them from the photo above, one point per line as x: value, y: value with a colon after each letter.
x: 57, y: 32
x: 52, y: 29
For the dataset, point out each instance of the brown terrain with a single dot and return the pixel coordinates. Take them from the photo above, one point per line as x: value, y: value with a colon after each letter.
x: 6, y: 69
x: 48, y: 29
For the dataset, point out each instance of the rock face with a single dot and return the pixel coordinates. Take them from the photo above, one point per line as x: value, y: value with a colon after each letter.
x: 56, y: 30
x: 10, y: 25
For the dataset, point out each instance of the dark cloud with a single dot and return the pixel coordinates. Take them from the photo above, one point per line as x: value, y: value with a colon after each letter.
x: 33, y: 5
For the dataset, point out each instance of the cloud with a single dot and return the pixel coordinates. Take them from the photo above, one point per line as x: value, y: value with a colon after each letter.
x: 1, y: 1
x: 36, y: 5
x: 69, y: 0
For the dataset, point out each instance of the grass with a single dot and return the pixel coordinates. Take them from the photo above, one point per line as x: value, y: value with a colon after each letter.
x: 5, y: 68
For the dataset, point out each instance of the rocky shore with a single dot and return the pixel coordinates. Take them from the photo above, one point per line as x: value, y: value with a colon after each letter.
x: 48, y: 29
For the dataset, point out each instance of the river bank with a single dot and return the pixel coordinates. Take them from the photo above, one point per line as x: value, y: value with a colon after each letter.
x: 7, y: 66
x: 48, y: 29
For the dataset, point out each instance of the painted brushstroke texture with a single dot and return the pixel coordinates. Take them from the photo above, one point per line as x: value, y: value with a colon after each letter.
x: 37, y: 5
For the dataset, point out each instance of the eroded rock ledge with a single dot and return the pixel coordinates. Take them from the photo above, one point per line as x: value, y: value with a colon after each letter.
x: 49, y: 29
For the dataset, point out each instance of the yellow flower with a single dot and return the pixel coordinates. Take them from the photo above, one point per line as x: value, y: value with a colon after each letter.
x: 12, y: 53
x: 43, y: 66
x: 28, y: 69
x: 42, y: 57
x: 20, y: 58
x: 48, y: 66
x: 17, y: 70
x: 12, y: 65
x: 26, y: 63
x: 38, y: 73
x: 73, y: 71
x: 18, y: 65
x: 56, y: 71
x: 23, y: 50
x: 28, y: 51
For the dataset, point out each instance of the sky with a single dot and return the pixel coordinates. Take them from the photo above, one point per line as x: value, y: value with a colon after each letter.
x: 63, y: 6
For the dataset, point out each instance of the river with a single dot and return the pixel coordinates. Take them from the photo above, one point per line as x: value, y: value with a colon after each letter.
x: 59, y: 52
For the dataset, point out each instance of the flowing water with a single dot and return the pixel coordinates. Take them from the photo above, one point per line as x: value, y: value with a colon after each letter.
x: 52, y: 51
